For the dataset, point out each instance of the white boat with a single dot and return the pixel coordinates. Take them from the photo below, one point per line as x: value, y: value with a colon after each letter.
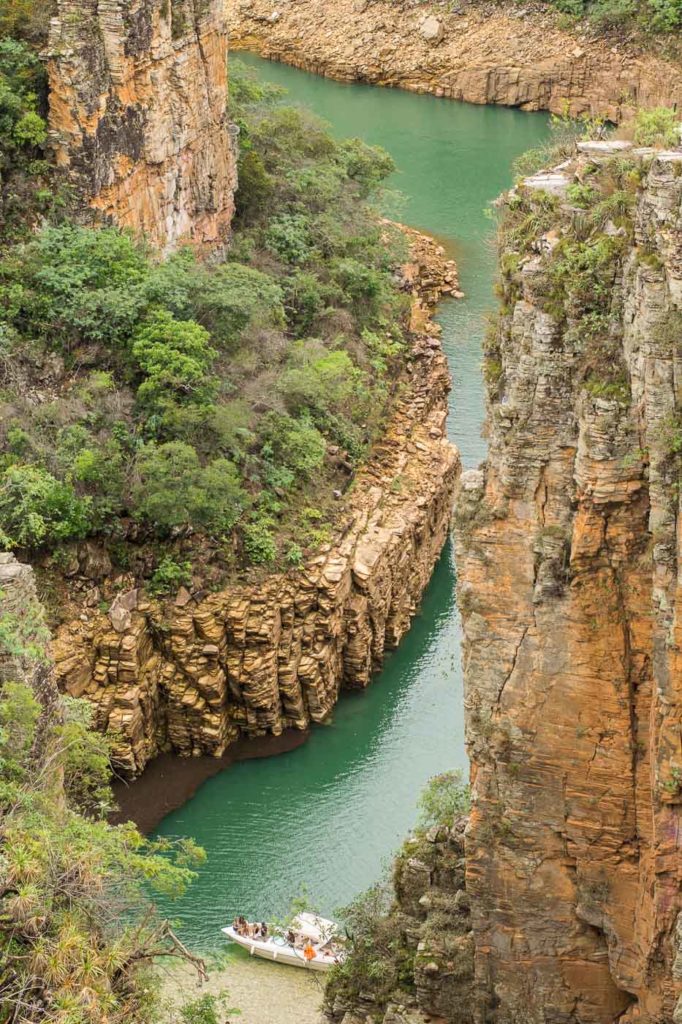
x: 315, y: 936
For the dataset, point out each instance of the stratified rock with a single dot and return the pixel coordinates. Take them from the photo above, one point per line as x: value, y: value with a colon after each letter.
x: 195, y: 673
x: 138, y: 114
x: 494, y: 55
x: 569, y: 548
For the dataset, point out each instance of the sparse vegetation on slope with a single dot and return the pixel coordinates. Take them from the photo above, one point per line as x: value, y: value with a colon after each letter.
x: 171, y: 409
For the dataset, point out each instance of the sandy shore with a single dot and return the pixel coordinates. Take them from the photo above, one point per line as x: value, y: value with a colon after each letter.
x: 264, y: 993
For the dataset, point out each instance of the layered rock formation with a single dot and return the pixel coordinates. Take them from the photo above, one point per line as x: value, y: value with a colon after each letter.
x: 568, y: 550
x: 138, y: 114
x: 257, y: 658
x: 475, y: 52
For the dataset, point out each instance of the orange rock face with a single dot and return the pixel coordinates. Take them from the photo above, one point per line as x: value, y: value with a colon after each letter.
x: 138, y: 114
x: 569, y: 545
x: 480, y: 54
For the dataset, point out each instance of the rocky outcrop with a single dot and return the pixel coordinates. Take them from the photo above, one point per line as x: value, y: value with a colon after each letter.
x: 193, y: 674
x: 474, y: 52
x: 429, y: 958
x: 568, y: 551
x: 138, y: 114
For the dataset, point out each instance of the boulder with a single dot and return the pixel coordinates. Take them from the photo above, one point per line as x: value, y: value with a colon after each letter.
x: 431, y: 30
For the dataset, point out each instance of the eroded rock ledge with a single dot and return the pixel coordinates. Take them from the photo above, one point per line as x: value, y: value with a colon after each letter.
x: 193, y: 674
x: 138, y: 114
x: 481, y: 55
x: 569, y: 547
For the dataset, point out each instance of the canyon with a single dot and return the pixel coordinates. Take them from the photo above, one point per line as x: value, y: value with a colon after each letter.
x: 471, y: 52
x: 566, y: 882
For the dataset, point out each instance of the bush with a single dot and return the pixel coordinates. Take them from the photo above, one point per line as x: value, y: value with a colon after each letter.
x: 78, y: 931
x: 259, y: 542
x: 176, y: 357
x: 174, y: 491
x: 295, y: 443
x: 169, y: 575
x: 444, y: 798
x: 72, y: 285
x: 657, y: 127
x: 37, y: 510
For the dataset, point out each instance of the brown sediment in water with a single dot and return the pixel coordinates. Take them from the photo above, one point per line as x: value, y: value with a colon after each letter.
x: 170, y: 781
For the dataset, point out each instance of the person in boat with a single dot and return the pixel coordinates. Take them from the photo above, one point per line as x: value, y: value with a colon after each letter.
x: 256, y: 930
x: 308, y: 951
x: 291, y: 937
x: 240, y: 925
x: 263, y: 931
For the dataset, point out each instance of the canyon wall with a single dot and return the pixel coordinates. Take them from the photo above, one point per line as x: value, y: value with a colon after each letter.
x: 481, y: 54
x: 138, y: 114
x: 192, y: 674
x: 568, y: 552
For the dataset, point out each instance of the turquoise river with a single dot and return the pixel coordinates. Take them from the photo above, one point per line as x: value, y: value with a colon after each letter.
x: 328, y: 815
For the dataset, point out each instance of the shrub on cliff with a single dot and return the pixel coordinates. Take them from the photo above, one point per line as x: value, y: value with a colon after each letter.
x: 77, y: 932
x: 36, y: 509
x: 659, y: 126
x: 651, y: 17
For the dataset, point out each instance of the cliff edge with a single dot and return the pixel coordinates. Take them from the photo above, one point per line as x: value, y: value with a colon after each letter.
x: 568, y: 554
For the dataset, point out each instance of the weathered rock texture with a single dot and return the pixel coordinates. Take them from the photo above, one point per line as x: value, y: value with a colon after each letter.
x: 477, y: 53
x: 568, y: 551
x: 259, y: 658
x: 431, y: 956
x: 138, y: 114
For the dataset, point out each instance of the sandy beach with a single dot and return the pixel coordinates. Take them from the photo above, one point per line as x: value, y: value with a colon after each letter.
x: 264, y: 993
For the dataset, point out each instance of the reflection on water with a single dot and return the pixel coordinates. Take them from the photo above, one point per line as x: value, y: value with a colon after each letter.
x: 328, y: 814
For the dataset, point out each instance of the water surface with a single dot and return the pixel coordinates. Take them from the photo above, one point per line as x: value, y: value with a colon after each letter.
x: 329, y: 814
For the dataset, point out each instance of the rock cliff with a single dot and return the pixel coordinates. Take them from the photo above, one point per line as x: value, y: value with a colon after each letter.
x: 193, y: 674
x: 427, y: 968
x: 478, y: 53
x: 568, y: 551
x: 138, y: 114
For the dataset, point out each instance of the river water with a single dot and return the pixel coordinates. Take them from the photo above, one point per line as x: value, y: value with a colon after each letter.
x: 328, y: 815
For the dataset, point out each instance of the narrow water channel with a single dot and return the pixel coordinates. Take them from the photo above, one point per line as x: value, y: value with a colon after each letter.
x: 329, y: 814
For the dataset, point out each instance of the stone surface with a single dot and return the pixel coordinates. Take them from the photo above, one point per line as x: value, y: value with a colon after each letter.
x: 568, y: 560
x: 193, y: 674
x: 138, y: 114
x: 431, y: 927
x: 493, y: 56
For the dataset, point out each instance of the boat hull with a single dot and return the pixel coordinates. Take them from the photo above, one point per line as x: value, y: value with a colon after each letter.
x: 279, y: 953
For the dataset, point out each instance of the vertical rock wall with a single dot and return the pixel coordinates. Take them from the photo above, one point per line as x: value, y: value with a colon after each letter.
x: 138, y: 114
x: 569, y: 544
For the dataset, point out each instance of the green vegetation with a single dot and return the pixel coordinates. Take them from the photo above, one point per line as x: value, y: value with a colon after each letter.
x: 381, y: 956
x: 659, y: 126
x: 190, y: 412
x: 445, y: 798
x: 651, y: 17
x: 575, y: 278
x: 78, y: 934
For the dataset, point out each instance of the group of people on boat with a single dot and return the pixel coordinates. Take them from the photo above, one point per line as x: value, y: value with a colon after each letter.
x: 257, y: 930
